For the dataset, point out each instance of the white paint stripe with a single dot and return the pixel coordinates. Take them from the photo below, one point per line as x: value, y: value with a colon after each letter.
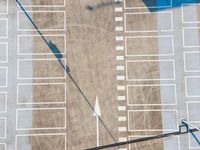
x: 120, y: 67
x: 122, y: 118
x: 119, y: 28
x: 119, y: 48
x: 120, y: 88
x: 118, y: 9
x: 120, y: 77
x: 122, y: 129
x: 119, y: 57
x: 121, y: 108
x: 121, y: 98
x: 122, y: 148
x: 119, y: 19
x: 119, y: 38
x: 122, y: 139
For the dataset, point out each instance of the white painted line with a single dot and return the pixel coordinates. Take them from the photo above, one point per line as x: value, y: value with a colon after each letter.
x: 40, y: 48
x: 192, y: 111
x: 120, y: 88
x: 19, y: 140
x: 122, y: 129
x: 3, y: 102
x: 118, y: 9
x: 167, y: 15
x: 189, y: 13
x: 191, y: 37
x: 121, y: 98
x: 168, y: 65
x: 22, y: 117
x: 57, y: 96
x: 168, y: 115
x: 119, y: 38
x: 119, y: 28
x: 122, y: 139
x: 118, y: 18
x: 24, y: 64
x: 119, y: 57
x: 122, y: 118
x: 119, y: 48
x: 3, y: 76
x: 169, y: 4
x: 3, y: 127
x: 4, y: 28
x: 192, y: 61
x: 167, y: 91
x: 4, y: 52
x: 119, y: 67
x: 122, y: 148
x: 146, y: 48
x: 24, y: 25
x: 4, y: 7
x: 120, y: 77
x: 192, y: 86
x: 3, y: 146
x: 26, y: 3
x: 121, y: 108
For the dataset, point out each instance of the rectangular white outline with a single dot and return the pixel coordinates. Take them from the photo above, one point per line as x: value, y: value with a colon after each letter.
x: 139, y: 13
x: 153, y: 85
x: 184, y: 59
x: 186, y: 89
x: 4, y: 145
x: 147, y: 7
x: 6, y: 20
x: 63, y: 102
x: 5, y: 127
x: 6, y: 68
x: 183, y: 35
x: 5, y: 13
x: 46, y: 134
x: 182, y: 11
x: 6, y: 102
x: 158, y: 110
x: 32, y: 109
x: 5, y: 43
x: 41, y: 6
x: 143, y: 136
x: 140, y: 37
x: 187, y: 107
x: 64, y: 29
x: 45, y: 35
x: 40, y: 77
x: 170, y: 60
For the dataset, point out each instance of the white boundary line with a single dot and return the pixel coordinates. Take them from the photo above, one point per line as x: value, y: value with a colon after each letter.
x: 46, y: 35
x: 6, y: 21
x: 4, y: 13
x: 6, y: 44
x: 41, y: 84
x: 187, y: 107
x: 184, y: 58
x: 6, y: 101
x: 4, y: 145
x: 5, y: 127
x: 153, y: 110
x: 140, y: 37
x: 48, y: 134
x: 40, y: 6
x: 64, y: 12
x: 47, y: 59
x: 183, y: 35
x: 153, y: 85
x: 32, y: 109
x: 146, y: 7
x: 146, y: 31
x: 130, y: 61
x: 143, y: 136
x: 186, y: 89
x: 183, y: 18
x: 6, y: 85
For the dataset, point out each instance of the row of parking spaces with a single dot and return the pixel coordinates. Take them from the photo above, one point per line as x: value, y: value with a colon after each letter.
x: 40, y: 3
x: 164, y: 94
x: 150, y: 70
x: 3, y: 7
x: 44, y: 69
x: 50, y: 118
x: 146, y: 22
x: 170, y: 142
x: 43, y: 93
x: 43, y: 19
x: 51, y: 141
x: 145, y: 121
x: 40, y: 48
x: 148, y: 45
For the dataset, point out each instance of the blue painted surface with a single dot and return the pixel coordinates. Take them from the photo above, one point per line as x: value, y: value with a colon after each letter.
x: 159, y: 5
